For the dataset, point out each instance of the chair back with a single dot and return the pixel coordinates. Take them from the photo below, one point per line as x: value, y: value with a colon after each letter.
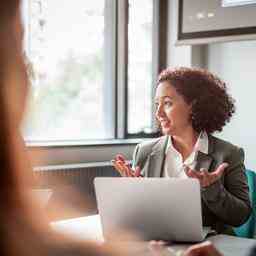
x: 247, y: 230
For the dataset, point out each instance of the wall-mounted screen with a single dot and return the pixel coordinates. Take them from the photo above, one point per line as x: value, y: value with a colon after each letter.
x: 215, y: 18
x: 229, y: 3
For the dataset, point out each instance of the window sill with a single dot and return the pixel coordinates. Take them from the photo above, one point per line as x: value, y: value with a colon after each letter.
x: 79, y: 152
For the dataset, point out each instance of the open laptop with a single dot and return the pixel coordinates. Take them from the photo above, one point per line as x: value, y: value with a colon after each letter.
x: 153, y: 208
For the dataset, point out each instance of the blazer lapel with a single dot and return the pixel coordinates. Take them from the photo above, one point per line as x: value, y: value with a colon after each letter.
x: 157, y: 157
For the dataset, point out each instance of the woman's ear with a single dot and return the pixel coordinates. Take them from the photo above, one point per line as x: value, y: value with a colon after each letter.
x: 192, y: 104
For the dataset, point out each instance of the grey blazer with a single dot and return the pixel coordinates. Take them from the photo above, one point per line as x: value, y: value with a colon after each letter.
x: 226, y: 202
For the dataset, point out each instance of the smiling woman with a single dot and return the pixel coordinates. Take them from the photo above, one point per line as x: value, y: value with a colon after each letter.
x: 191, y: 104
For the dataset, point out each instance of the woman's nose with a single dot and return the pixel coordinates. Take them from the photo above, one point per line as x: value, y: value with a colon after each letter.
x: 159, y: 111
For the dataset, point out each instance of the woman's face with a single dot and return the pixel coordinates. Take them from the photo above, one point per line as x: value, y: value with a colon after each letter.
x: 172, y: 112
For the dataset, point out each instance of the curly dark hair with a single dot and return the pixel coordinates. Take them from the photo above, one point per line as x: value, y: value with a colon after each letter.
x: 212, y: 106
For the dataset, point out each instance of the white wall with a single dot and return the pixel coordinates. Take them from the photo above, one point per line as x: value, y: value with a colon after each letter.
x: 177, y: 56
x: 235, y: 63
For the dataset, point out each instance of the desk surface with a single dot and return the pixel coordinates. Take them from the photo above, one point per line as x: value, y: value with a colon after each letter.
x: 90, y: 228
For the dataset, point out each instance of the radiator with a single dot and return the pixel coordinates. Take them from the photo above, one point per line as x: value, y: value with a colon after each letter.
x: 72, y: 187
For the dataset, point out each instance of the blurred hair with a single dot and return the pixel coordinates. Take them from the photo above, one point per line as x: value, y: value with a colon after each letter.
x: 212, y: 106
x: 10, y: 64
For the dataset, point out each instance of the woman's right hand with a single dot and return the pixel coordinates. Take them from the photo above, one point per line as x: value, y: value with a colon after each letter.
x: 124, y: 168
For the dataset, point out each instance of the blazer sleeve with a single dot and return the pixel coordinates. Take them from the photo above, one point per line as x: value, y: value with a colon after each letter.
x: 140, y: 156
x: 229, y: 200
x: 135, y: 157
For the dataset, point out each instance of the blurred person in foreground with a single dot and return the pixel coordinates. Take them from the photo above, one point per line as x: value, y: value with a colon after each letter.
x: 192, y: 104
x: 24, y: 229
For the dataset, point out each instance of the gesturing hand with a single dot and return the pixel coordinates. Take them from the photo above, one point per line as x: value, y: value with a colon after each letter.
x: 124, y: 168
x: 206, y: 178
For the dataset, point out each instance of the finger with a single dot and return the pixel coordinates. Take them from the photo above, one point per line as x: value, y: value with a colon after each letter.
x: 200, y: 174
x: 194, y: 174
x: 203, y: 170
x: 206, y: 177
x: 118, y: 167
x: 220, y: 170
x: 121, y: 167
x: 162, y: 243
x: 129, y: 171
x: 137, y: 171
x: 120, y: 157
x: 124, y: 168
x: 186, y: 168
x: 204, y: 173
x: 157, y: 248
x: 188, y: 171
x: 122, y: 160
x: 152, y: 243
x: 157, y: 243
x: 191, y: 174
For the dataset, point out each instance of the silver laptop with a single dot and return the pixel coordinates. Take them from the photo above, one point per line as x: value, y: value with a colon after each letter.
x: 153, y: 208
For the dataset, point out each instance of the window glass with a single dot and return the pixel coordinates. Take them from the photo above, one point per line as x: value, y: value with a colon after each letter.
x: 140, y: 66
x: 64, y: 45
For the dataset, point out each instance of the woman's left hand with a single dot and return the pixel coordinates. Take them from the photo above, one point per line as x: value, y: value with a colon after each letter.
x: 206, y: 178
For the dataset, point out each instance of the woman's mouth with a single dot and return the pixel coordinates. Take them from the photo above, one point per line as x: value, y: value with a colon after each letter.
x: 165, y: 123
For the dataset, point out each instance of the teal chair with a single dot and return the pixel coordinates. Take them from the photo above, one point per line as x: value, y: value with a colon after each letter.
x: 247, y: 230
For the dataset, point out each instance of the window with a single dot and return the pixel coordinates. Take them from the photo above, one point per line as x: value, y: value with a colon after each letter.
x: 66, y: 47
x: 73, y: 49
x: 140, y: 34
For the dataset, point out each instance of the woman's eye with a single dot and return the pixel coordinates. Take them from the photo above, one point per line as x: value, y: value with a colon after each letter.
x: 168, y: 104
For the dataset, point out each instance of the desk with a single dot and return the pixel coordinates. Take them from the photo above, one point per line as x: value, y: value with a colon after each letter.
x: 81, y: 228
x: 90, y: 228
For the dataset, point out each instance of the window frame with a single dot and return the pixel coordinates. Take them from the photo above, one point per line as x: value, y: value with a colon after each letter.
x: 159, y: 61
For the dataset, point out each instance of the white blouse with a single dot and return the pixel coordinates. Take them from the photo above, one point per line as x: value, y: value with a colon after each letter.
x: 174, y: 166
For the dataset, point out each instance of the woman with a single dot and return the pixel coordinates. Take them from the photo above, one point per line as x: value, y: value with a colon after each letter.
x: 191, y: 104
